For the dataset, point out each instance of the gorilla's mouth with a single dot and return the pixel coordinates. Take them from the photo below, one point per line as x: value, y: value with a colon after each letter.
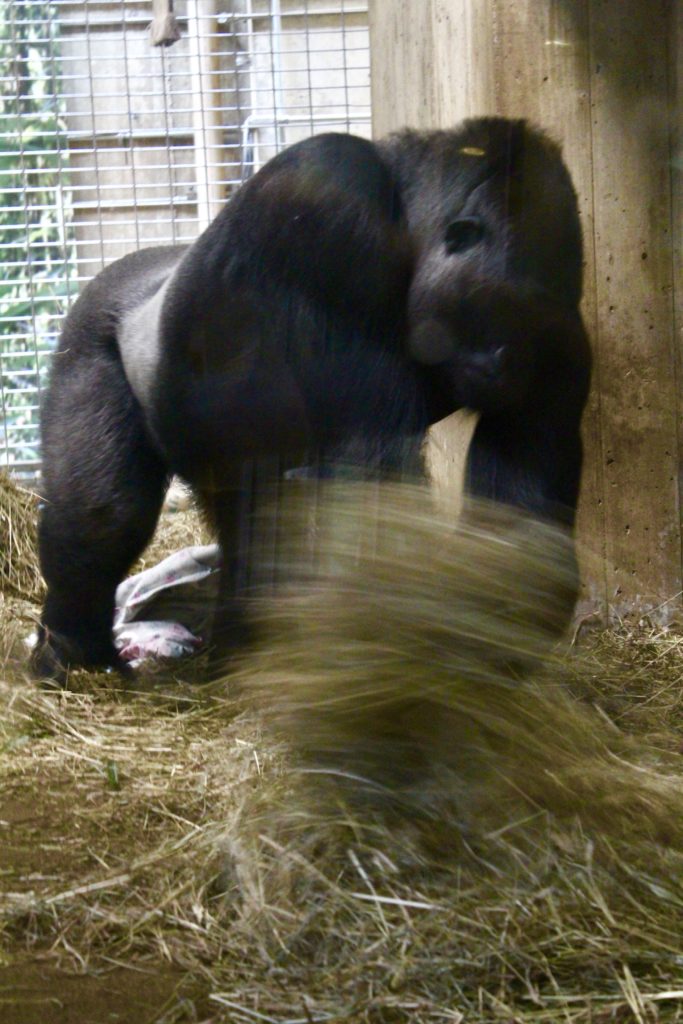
x: 492, y: 376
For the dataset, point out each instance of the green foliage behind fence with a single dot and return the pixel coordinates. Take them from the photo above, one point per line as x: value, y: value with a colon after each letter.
x: 37, y: 260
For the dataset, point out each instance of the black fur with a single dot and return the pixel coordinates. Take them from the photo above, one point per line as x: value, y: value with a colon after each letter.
x: 349, y: 293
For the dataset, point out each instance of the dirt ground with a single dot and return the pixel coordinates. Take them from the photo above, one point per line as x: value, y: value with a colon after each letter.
x: 32, y: 992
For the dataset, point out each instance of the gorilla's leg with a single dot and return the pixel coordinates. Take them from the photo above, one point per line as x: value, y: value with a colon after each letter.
x: 516, y: 461
x: 229, y: 512
x: 103, y: 486
x: 530, y: 455
x: 531, y: 461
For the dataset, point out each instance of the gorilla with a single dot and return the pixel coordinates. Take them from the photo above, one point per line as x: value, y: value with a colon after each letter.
x: 349, y: 293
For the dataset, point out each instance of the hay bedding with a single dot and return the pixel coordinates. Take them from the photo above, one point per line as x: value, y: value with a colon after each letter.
x: 19, y: 574
x: 169, y: 827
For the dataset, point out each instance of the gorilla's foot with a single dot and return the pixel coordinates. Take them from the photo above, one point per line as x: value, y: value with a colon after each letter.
x: 55, y: 654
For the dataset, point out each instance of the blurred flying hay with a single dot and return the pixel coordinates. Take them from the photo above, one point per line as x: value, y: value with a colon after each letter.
x: 19, y: 573
x: 398, y: 618
x: 412, y: 664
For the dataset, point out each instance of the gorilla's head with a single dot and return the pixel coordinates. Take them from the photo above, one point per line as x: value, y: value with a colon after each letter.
x: 498, y: 260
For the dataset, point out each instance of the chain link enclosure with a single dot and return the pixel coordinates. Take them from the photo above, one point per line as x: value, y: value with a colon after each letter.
x: 109, y: 143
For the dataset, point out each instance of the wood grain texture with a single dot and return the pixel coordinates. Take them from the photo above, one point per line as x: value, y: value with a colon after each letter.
x: 403, y: 79
x: 676, y: 163
x: 639, y: 390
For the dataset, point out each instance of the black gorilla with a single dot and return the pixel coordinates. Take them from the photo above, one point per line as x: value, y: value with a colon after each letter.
x: 348, y: 291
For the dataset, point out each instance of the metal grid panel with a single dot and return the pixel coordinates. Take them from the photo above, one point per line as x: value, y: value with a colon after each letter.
x: 109, y: 144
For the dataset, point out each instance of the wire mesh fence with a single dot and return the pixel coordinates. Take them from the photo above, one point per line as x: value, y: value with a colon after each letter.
x: 109, y: 143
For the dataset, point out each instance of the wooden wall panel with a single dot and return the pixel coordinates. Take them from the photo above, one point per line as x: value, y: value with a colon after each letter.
x: 402, y: 80
x: 601, y: 76
x: 676, y: 150
x: 639, y: 390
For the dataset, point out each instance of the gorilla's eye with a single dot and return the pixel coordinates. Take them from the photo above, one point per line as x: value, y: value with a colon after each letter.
x: 463, y: 234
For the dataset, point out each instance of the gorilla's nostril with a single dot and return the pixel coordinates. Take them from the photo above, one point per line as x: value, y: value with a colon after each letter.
x: 431, y: 343
x: 487, y: 363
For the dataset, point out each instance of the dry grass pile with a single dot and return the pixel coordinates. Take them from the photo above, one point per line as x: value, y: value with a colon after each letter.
x: 19, y: 574
x: 402, y: 654
x: 514, y: 854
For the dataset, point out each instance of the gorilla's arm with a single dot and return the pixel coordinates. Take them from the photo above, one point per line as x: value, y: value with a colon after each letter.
x: 282, y: 328
x: 322, y: 220
x: 531, y: 456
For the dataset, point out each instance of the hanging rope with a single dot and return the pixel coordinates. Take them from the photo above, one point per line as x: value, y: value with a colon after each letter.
x: 164, y: 30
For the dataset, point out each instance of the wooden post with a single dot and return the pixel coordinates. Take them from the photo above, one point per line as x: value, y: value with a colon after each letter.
x: 676, y: 150
x: 603, y: 77
x: 206, y: 121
